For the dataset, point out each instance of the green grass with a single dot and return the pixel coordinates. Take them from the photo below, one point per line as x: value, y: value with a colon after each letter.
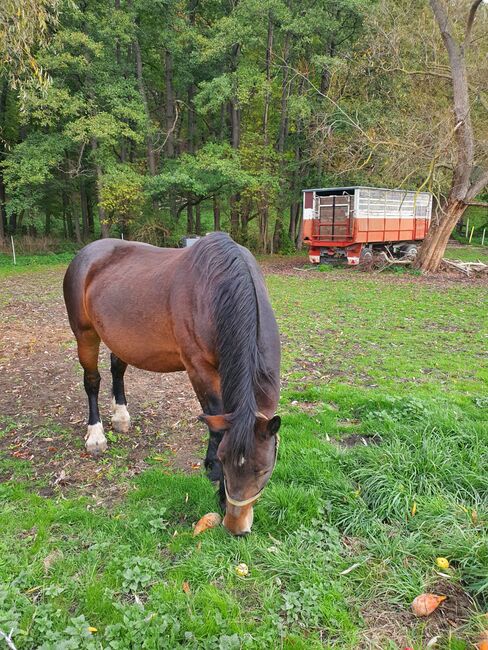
x: 471, y: 253
x: 403, y: 363
x: 32, y: 263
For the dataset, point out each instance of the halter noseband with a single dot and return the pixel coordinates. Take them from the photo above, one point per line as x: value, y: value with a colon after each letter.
x: 246, y: 502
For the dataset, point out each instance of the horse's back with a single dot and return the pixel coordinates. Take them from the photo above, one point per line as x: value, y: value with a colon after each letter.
x: 102, y: 259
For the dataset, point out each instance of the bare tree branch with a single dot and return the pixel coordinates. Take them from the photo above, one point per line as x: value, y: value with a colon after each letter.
x: 478, y: 186
x: 469, y: 26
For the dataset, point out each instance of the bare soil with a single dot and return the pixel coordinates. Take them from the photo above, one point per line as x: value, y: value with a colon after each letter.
x: 386, y: 623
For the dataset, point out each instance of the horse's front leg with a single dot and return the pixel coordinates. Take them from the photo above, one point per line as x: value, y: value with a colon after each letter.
x: 120, y: 414
x: 88, y: 346
x: 206, y: 384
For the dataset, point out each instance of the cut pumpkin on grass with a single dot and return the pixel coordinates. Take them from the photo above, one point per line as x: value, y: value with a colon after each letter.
x: 210, y: 520
x: 425, y: 604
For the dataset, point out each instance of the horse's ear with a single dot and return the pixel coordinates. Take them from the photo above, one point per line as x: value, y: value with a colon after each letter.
x: 267, y: 428
x: 215, y: 422
x: 273, y: 425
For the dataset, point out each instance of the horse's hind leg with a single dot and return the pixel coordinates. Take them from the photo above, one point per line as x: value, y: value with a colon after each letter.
x: 88, y: 345
x: 120, y: 414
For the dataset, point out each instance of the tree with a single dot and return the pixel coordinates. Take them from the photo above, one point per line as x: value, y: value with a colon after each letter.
x: 469, y: 176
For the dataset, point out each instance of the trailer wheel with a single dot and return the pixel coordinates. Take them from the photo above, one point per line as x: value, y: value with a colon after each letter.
x: 366, y: 259
x: 409, y: 252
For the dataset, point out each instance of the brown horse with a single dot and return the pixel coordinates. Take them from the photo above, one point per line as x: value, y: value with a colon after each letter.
x: 203, y: 309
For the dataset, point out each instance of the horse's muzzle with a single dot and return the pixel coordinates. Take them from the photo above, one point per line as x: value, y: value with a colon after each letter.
x: 238, y: 520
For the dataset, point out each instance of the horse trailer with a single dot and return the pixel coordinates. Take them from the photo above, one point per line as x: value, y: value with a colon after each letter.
x: 357, y: 224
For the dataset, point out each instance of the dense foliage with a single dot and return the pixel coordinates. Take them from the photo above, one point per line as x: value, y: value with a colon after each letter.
x: 165, y: 117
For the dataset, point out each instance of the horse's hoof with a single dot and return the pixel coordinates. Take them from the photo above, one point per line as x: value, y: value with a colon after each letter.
x: 96, y: 442
x: 120, y: 418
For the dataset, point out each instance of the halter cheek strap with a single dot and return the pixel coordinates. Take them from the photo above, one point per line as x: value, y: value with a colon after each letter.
x: 246, y: 502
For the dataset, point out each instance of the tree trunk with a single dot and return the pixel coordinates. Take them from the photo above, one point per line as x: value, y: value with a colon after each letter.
x: 434, y: 245
x: 47, y: 224
x: 89, y: 207
x: 104, y: 223
x: 234, y: 216
x: 76, y: 220
x: 284, y: 97
x: 216, y: 212
x: 462, y: 187
x: 190, y: 227
x: 269, y: 53
x: 67, y: 215
x: 293, y: 222
x: 84, y: 211
x: 117, y: 42
x: 278, y: 233
x: 235, y: 138
x: 299, y: 231
x: 12, y: 223
x: 198, y: 219
x: 170, y: 110
x: 245, y: 218
x: 151, y: 158
x: 170, y: 104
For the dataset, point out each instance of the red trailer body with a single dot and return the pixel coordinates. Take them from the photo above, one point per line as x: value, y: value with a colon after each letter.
x: 354, y: 223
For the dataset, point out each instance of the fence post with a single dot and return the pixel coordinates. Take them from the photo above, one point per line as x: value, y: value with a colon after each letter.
x: 13, y: 249
x: 483, y: 237
x: 471, y: 235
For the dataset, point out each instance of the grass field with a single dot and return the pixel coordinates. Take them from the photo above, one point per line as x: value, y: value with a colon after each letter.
x: 382, y: 469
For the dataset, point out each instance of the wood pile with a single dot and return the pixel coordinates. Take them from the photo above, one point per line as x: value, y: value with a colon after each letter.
x: 466, y: 267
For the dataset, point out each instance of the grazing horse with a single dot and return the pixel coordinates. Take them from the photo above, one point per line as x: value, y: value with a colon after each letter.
x: 203, y: 309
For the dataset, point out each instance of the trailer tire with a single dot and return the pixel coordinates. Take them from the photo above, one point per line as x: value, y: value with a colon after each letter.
x: 366, y: 259
x: 409, y: 252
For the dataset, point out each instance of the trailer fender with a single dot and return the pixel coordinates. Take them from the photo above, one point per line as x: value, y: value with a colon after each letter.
x: 353, y: 254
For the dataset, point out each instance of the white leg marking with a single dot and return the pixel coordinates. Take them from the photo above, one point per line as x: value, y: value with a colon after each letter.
x: 120, y: 417
x: 96, y: 442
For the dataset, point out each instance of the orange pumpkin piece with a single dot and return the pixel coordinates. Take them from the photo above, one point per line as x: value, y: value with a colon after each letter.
x: 211, y: 520
x: 483, y: 642
x: 425, y: 604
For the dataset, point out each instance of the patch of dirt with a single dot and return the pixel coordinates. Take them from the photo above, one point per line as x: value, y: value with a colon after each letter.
x: 386, y: 623
x: 43, y: 405
x: 312, y: 408
x: 359, y: 439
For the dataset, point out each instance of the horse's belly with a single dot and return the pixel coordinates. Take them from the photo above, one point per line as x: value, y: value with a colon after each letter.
x: 138, y: 336
x: 144, y: 354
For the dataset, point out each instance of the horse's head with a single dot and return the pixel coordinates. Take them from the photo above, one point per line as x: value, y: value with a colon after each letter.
x: 245, y: 475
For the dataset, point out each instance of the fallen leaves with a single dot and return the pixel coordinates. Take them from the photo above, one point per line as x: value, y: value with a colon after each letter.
x: 186, y: 587
x: 425, y: 604
x: 210, y: 520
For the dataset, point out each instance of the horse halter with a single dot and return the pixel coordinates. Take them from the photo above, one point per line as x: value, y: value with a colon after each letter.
x: 239, y: 504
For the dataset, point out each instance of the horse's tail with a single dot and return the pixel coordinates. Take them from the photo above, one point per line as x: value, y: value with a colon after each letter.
x: 230, y: 271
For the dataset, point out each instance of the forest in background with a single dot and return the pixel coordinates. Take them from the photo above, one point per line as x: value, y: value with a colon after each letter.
x: 162, y: 118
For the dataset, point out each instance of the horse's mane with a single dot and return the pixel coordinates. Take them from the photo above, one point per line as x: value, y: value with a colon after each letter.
x: 229, y: 270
